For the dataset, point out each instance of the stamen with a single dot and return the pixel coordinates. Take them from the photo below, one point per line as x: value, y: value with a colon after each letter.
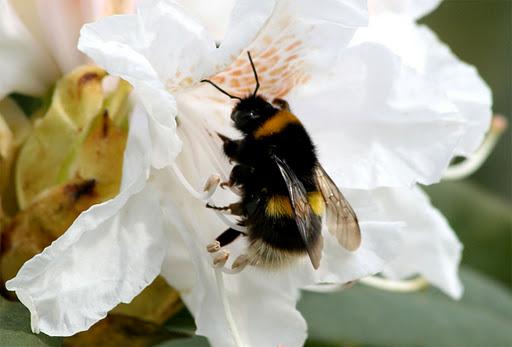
x: 227, y: 311
x: 232, y: 271
x: 213, y: 247
x: 205, y: 197
x: 211, y: 184
x: 200, y: 196
x: 405, y: 286
x: 473, y: 163
x: 221, y: 258
x: 240, y: 263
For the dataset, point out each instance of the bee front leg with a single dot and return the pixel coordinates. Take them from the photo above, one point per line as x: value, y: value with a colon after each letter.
x: 235, y: 209
x: 239, y: 174
x: 231, y: 147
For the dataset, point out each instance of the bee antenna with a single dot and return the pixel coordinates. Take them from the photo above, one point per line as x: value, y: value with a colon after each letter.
x: 221, y: 90
x: 255, y: 74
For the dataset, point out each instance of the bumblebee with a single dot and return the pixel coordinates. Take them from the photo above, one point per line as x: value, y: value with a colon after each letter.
x: 284, y: 190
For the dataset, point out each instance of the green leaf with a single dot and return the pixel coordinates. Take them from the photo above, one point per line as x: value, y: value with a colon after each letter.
x: 28, y: 104
x: 483, y: 223
x: 15, y: 327
x: 183, y: 323
x: 368, y: 316
x: 77, y: 100
x: 195, y: 341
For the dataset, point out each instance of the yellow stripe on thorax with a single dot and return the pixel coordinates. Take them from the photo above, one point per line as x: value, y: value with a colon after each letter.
x: 276, y: 123
x: 280, y: 205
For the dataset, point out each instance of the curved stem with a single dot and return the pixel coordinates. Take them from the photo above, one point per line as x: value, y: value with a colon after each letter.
x: 405, y: 286
x: 473, y: 163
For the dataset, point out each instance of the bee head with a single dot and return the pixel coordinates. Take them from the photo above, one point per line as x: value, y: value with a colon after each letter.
x: 249, y: 113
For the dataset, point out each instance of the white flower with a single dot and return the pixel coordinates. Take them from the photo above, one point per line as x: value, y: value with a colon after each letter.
x: 376, y: 122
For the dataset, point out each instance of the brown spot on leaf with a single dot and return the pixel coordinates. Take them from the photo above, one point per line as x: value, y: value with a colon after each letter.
x: 86, y: 78
x: 49, y: 215
x: 78, y: 190
x: 105, y: 126
x: 119, y: 330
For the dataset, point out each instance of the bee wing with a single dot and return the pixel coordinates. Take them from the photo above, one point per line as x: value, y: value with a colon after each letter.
x: 307, y: 223
x: 341, y: 218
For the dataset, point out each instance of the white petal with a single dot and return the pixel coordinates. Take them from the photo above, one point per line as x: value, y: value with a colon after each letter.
x: 430, y: 246
x: 161, y: 108
x: 158, y: 43
x: 245, y: 22
x: 381, y: 234
x: 277, y: 322
x: 463, y: 86
x: 377, y: 122
x: 161, y: 42
x: 410, y: 8
x: 108, y: 255
x: 61, y: 22
x: 24, y: 65
x: 94, y: 9
x: 420, y: 49
x: 214, y: 18
x: 97, y: 264
x: 301, y: 39
x: 137, y: 48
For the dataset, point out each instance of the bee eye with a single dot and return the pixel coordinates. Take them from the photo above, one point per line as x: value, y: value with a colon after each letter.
x: 252, y: 114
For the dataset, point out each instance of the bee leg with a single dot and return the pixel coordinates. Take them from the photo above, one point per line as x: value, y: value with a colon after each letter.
x: 235, y: 209
x: 240, y: 173
x: 231, y: 147
x: 223, y: 239
x: 211, y: 184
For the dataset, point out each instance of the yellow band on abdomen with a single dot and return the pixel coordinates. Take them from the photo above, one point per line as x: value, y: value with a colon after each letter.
x: 280, y: 205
